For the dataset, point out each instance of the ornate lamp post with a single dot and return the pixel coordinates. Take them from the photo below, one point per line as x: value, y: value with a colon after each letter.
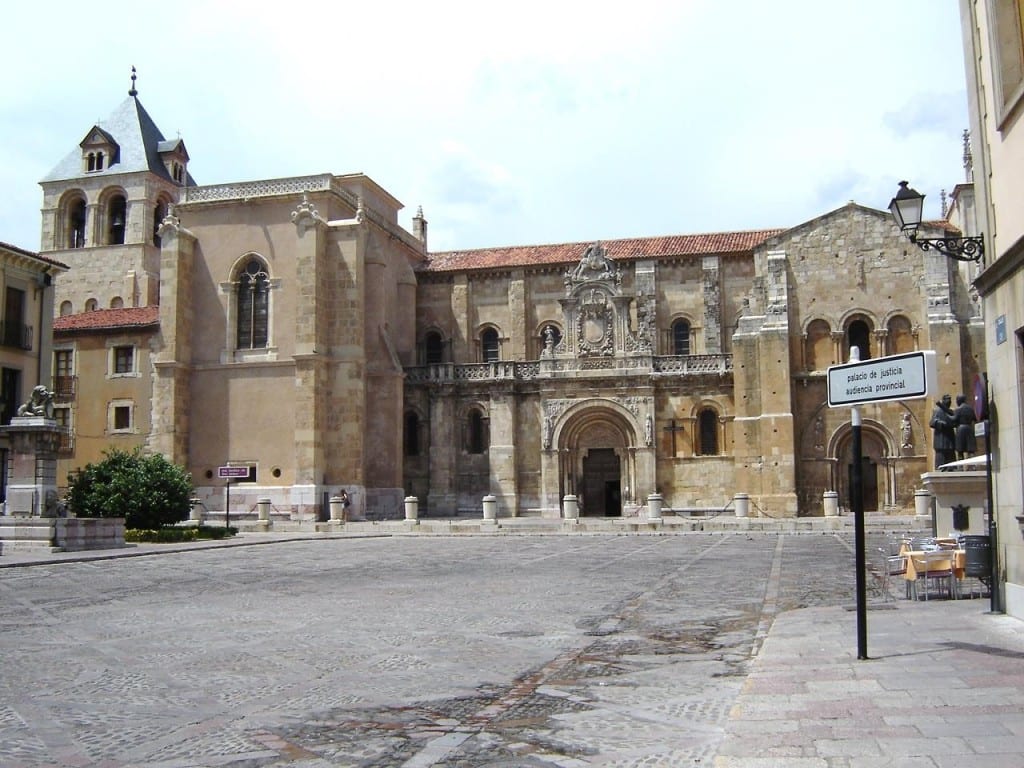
x: 907, y: 208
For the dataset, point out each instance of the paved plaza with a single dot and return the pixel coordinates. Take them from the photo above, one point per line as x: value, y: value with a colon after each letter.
x: 456, y: 652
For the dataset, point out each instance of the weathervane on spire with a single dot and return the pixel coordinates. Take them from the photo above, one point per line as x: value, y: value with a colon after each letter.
x: 133, y: 92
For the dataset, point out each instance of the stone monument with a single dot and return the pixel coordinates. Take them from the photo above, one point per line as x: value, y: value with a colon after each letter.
x: 34, y: 436
x: 34, y: 518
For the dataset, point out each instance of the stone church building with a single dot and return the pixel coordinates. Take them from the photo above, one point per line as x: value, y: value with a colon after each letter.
x: 294, y: 326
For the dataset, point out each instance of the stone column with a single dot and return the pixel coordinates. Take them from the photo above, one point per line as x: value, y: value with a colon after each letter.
x: 32, y: 481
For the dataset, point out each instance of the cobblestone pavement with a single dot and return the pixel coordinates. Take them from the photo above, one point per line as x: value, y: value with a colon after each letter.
x: 451, y: 652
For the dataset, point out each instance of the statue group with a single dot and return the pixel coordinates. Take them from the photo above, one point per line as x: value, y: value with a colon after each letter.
x: 953, y: 430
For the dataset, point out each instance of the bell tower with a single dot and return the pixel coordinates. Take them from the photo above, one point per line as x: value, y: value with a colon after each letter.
x: 102, y: 209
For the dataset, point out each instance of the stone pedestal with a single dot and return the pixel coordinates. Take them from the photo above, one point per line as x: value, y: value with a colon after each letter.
x: 337, y: 507
x: 967, y: 490
x: 32, y: 481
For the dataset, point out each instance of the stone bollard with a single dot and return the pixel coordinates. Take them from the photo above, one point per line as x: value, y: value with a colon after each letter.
x: 263, y: 509
x: 830, y: 503
x: 571, y: 507
x: 742, y: 501
x: 412, y: 508
x: 654, y: 502
x: 263, y: 512
x: 337, y: 505
x: 922, y: 503
x: 196, y: 511
x: 490, y: 507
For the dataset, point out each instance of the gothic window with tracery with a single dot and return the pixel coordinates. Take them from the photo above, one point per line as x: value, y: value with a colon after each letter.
x: 253, y: 306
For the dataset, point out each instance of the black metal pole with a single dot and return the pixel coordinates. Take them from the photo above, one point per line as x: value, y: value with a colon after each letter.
x: 993, y: 539
x: 857, y: 507
x: 227, y: 507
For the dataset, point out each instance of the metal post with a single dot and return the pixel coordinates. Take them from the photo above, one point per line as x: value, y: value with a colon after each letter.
x: 857, y: 507
x: 227, y: 506
x: 993, y: 549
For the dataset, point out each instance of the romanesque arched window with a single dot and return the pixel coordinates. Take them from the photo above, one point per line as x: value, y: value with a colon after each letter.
x: 900, y: 336
x: 253, y: 306
x: 490, y: 347
x: 858, y: 334
x: 412, y: 434
x: 433, y: 348
x: 818, y: 347
x: 681, y: 337
x: 707, y: 432
x: 476, y: 431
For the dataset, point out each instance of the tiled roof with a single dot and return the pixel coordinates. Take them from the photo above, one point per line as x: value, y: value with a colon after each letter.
x: 33, y: 254
x: 108, y: 319
x: 569, y: 253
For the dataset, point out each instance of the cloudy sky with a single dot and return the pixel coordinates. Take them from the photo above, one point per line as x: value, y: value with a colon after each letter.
x: 512, y: 123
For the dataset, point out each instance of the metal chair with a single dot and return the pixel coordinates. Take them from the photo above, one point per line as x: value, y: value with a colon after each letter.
x: 934, y: 567
x: 892, y: 565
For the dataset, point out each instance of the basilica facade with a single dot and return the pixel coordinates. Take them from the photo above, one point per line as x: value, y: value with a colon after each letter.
x: 292, y: 325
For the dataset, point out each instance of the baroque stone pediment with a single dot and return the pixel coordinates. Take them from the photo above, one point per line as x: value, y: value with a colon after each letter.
x: 594, y: 267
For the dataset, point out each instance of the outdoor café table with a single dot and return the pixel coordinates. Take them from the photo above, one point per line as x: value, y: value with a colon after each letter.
x: 936, y: 560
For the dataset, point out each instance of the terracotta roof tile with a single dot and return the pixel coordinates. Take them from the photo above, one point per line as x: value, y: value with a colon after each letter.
x: 108, y: 319
x: 569, y: 253
x: 33, y: 254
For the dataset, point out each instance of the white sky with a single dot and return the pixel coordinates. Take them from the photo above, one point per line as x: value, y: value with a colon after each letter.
x: 512, y: 123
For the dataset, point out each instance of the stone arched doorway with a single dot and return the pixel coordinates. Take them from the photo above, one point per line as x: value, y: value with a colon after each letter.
x: 878, y: 481
x: 597, y: 448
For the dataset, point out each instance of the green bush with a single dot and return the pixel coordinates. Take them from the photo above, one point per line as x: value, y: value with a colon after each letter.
x: 148, y: 491
x: 175, y: 534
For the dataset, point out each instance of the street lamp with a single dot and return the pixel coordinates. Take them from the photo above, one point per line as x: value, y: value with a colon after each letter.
x: 906, y: 209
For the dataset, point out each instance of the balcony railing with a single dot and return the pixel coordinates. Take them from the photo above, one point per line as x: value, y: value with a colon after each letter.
x: 65, y: 387
x: 504, y: 370
x: 66, y: 442
x: 17, y: 335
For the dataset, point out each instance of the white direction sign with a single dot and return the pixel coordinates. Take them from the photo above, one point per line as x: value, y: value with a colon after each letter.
x: 897, y: 377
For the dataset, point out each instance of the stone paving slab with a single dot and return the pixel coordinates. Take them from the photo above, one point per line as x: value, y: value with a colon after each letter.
x: 522, y: 651
x: 943, y: 686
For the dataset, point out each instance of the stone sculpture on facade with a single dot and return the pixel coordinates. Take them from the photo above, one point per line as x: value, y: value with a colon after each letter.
x: 906, y: 433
